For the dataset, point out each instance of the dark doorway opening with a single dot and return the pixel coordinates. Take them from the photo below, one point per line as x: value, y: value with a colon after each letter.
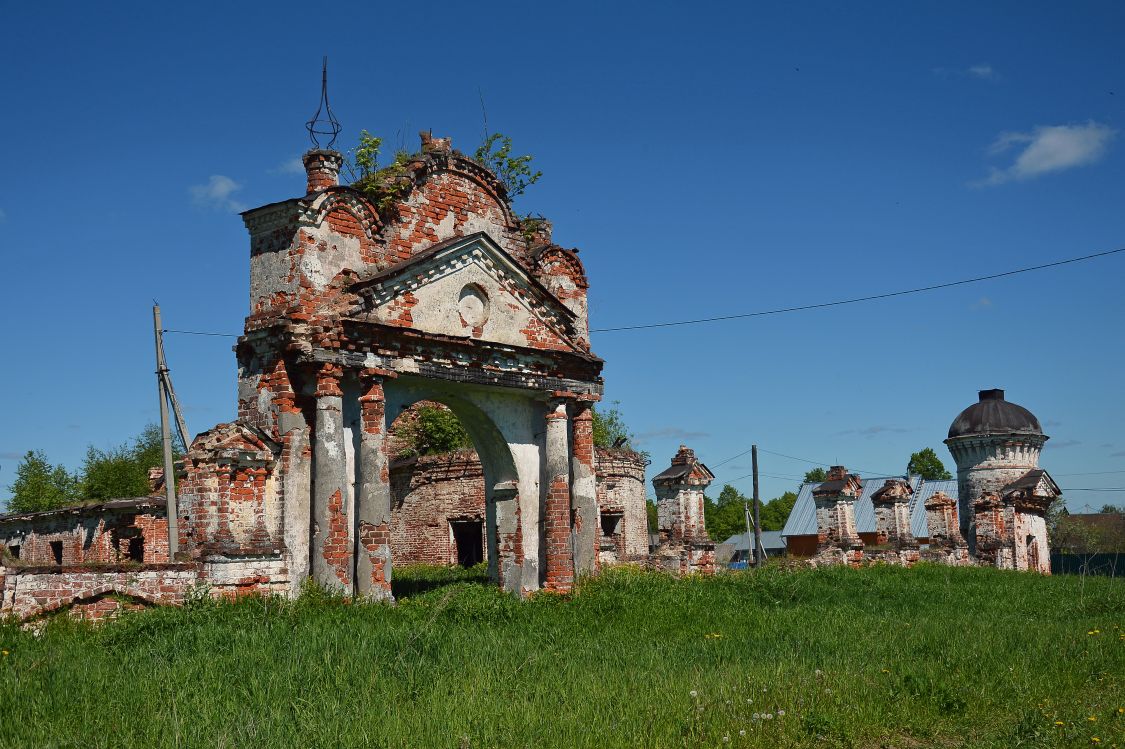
x: 468, y: 541
x: 137, y: 549
x: 56, y: 551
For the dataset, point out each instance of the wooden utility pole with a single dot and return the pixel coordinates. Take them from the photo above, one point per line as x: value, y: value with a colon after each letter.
x: 162, y: 387
x: 757, y: 509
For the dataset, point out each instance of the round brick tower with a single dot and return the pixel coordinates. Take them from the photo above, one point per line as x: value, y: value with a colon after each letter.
x: 994, y: 442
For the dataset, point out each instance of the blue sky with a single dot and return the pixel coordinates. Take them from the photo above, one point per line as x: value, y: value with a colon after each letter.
x: 707, y: 159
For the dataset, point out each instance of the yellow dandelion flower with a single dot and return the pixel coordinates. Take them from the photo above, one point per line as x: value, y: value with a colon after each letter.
x: 1092, y: 718
x: 1095, y: 740
x: 1059, y: 723
x: 886, y: 670
x: 5, y: 652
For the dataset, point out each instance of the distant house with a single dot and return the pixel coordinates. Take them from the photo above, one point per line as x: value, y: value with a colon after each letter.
x: 800, y: 528
x: 736, y: 549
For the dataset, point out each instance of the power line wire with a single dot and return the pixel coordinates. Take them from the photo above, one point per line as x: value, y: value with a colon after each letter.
x: 805, y: 307
x: 197, y: 332
x: 857, y: 300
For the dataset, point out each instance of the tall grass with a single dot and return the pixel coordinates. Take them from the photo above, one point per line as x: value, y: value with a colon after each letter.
x: 881, y: 657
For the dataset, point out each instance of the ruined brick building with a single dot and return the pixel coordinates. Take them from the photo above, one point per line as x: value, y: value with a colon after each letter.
x: 362, y: 304
x: 997, y: 516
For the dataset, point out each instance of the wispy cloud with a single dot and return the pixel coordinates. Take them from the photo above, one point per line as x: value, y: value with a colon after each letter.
x: 669, y: 432
x: 982, y: 303
x: 1052, y: 423
x: 3, y: 216
x: 217, y: 194
x: 983, y: 71
x: 1118, y: 454
x: 1047, y: 149
x: 11, y: 456
x: 1064, y: 443
x: 871, y: 431
x: 289, y: 166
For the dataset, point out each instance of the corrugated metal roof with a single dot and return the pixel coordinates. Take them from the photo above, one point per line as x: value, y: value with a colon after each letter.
x: 918, y: 524
x: 771, y: 541
x: 802, y: 520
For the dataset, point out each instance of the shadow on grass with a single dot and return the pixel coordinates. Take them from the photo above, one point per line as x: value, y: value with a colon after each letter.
x: 414, y: 579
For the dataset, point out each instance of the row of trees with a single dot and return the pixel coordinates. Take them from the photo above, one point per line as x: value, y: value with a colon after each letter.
x: 117, y: 472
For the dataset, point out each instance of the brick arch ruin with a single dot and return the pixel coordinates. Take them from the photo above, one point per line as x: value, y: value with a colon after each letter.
x: 357, y: 312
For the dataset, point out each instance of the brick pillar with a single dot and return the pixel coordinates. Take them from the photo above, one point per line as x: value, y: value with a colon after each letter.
x: 584, y: 491
x: 373, y: 505
x: 556, y: 508
x: 331, y: 555
x: 322, y: 167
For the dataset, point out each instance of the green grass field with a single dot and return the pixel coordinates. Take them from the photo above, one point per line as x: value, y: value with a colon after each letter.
x: 880, y: 657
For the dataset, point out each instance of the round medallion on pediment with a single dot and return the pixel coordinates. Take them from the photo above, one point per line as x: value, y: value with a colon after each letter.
x: 472, y: 304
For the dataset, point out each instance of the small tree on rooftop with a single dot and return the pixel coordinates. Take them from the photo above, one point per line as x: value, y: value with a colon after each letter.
x: 513, y: 171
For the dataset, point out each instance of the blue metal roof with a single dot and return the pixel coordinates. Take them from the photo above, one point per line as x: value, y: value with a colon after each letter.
x: 918, y: 524
x: 771, y: 541
x: 802, y: 520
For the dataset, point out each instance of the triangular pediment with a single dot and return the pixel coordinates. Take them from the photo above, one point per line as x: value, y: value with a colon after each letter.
x: 467, y: 287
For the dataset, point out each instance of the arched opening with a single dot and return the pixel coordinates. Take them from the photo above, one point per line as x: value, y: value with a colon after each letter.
x: 453, y: 485
x: 437, y: 489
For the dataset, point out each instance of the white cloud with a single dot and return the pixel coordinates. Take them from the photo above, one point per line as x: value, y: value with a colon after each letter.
x: 289, y: 166
x: 1047, y: 149
x: 982, y: 303
x: 3, y: 216
x: 216, y: 194
x: 984, y: 72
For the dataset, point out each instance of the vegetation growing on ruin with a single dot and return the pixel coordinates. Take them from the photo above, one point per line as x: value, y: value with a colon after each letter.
x: 386, y: 184
x: 514, y: 172
x: 878, y: 657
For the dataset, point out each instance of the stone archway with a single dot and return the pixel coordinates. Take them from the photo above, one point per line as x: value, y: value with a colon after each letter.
x: 503, y: 531
x: 358, y: 309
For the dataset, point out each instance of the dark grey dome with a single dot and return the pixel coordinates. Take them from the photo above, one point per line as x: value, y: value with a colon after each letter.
x: 994, y: 415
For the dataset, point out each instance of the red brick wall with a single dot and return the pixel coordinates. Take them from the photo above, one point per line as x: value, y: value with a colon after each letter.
x: 426, y: 493
x: 88, y: 536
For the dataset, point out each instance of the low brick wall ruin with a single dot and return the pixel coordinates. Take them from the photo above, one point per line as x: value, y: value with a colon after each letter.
x: 92, y: 591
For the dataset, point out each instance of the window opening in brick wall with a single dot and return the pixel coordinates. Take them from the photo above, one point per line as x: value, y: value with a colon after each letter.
x: 14, y: 550
x: 137, y: 549
x: 611, y: 523
x: 56, y: 551
x: 468, y: 538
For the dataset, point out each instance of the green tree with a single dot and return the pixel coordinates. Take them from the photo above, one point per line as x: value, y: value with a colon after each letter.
x: 432, y: 430
x: 724, y: 517
x: 925, y: 463
x: 122, y: 471
x: 1110, y: 509
x: 40, y: 485
x: 775, y: 512
x: 816, y: 475
x: 609, y: 427
x: 653, y: 516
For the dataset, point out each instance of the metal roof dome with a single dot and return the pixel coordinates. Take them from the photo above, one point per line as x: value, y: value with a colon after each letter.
x: 994, y: 415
